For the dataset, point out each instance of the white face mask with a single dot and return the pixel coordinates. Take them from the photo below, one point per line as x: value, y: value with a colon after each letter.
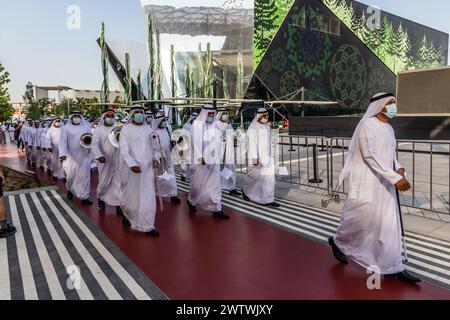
x: 224, y: 117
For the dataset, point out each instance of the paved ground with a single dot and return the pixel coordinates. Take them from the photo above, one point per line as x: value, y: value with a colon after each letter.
x: 199, y: 257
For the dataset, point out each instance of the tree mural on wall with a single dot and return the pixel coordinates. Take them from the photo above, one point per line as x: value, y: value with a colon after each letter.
x: 391, y: 44
x: 265, y: 24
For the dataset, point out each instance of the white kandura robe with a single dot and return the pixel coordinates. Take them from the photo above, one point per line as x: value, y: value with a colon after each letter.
x: 164, y: 188
x: 53, y: 135
x: 205, y: 190
x: 227, y: 155
x: 259, y: 182
x: 370, y: 230
x: 138, y: 189
x: 108, y: 188
x: 188, y: 157
x: 78, y: 164
x: 11, y: 134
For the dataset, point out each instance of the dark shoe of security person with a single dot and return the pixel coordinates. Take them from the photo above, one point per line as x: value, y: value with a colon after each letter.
x: 273, y: 204
x: 8, y: 231
x: 87, y: 202
x: 70, y: 195
x: 183, y: 178
x: 125, y: 222
x: 192, y: 208
x: 153, y: 233
x: 337, y: 253
x: 235, y: 193
x: 119, y: 211
x: 244, y: 196
x: 175, y: 200
x: 101, y: 204
x: 405, y: 277
x: 221, y: 215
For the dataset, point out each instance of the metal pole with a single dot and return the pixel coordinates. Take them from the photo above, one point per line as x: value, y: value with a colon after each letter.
x: 315, y: 166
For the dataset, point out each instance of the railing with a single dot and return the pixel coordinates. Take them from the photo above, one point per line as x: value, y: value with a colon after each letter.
x: 317, y: 162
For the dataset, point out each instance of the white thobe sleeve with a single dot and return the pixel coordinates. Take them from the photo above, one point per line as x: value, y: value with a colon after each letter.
x: 96, y: 145
x: 63, y: 144
x: 197, y: 142
x: 125, y: 150
x: 366, y: 142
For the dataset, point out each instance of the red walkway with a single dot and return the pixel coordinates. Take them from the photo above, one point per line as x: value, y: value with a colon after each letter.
x: 200, y: 257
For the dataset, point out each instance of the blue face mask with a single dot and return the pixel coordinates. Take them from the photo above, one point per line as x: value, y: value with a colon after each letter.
x: 391, y: 111
x: 209, y: 120
x: 225, y: 118
x: 138, y: 118
x: 110, y: 121
x: 164, y: 124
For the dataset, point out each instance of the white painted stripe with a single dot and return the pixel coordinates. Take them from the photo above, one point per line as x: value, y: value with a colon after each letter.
x: 134, y: 287
x: 427, y: 266
x: 428, y: 258
x: 428, y: 275
x: 428, y: 239
x: 29, y: 286
x: 5, y: 287
x: 66, y: 259
x: 436, y: 253
x: 56, y: 290
x: 419, y: 242
x: 107, y: 287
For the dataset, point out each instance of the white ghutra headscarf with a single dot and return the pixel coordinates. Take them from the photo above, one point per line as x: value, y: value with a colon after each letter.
x: 377, y: 103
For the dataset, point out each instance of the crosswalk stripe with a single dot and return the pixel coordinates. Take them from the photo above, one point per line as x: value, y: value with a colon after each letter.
x: 5, y: 291
x: 105, y: 284
x: 115, y: 265
x: 29, y: 287
x: 48, y: 268
x: 84, y: 291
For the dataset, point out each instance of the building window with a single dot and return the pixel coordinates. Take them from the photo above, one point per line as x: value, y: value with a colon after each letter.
x: 325, y: 24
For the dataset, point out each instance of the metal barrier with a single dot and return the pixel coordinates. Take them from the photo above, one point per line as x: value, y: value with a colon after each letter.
x: 317, y: 162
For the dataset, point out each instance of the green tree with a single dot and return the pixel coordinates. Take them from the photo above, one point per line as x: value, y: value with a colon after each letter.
x: 28, y: 96
x: 6, y: 110
x: 265, y: 22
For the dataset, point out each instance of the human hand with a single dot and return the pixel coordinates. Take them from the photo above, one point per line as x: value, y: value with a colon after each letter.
x: 136, y: 169
x: 403, y: 185
x: 401, y: 172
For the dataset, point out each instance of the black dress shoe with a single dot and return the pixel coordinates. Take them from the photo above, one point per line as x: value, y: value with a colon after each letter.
x: 49, y: 172
x: 119, y: 211
x: 235, y: 193
x: 70, y: 195
x: 86, y: 201
x: 337, y: 253
x: 273, y: 204
x: 192, y: 208
x: 221, y: 214
x: 175, y: 200
x: 244, y: 196
x: 153, y: 233
x: 125, y: 222
x: 101, y: 204
x: 9, y: 231
x: 405, y: 277
x: 55, y: 178
x: 64, y: 180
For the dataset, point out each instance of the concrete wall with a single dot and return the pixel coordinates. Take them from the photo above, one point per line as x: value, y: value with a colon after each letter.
x: 424, y: 91
x: 417, y: 128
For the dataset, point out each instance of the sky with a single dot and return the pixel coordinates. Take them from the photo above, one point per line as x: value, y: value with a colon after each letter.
x: 38, y: 45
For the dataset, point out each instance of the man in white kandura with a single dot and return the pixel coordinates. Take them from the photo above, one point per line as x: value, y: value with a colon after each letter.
x: 227, y: 158
x: 25, y: 134
x: 107, y: 156
x: 186, y: 162
x: 259, y: 182
x: 53, y: 135
x: 34, y: 142
x: 205, y: 191
x: 136, y: 173
x: 77, y: 159
x: 166, y: 186
x: 11, y: 130
x: 370, y: 228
